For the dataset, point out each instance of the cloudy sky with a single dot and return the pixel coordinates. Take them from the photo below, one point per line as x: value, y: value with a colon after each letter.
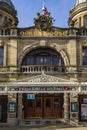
x: 27, y: 10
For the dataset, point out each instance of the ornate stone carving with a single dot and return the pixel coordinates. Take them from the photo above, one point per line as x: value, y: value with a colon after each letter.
x: 43, y: 22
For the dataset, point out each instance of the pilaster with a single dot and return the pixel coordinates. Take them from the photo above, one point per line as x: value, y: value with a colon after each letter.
x: 66, y: 108
x: 20, y: 108
x: 11, y: 109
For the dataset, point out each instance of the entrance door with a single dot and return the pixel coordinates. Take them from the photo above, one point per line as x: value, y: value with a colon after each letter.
x: 48, y: 107
x: 3, y: 108
x: 43, y: 106
x: 32, y: 107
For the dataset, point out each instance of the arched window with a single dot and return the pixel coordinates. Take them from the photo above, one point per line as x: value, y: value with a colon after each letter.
x: 43, y: 56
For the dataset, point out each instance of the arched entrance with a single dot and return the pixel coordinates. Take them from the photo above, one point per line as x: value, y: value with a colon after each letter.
x: 44, y: 105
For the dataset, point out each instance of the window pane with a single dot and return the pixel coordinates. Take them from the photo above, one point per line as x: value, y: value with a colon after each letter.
x: 48, y: 103
x: 56, y: 103
x: 30, y: 103
x: 38, y: 102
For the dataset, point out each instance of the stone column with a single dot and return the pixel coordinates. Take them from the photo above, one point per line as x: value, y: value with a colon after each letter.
x: 20, y: 109
x: 66, y: 108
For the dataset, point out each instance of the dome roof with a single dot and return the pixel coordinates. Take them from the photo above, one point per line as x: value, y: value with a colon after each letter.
x: 80, y: 1
x: 8, y: 2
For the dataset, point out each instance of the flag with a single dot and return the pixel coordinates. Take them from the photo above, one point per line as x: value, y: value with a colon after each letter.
x: 45, y: 11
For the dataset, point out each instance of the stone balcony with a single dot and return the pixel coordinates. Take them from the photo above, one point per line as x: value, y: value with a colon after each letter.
x: 49, y: 69
x: 32, y: 69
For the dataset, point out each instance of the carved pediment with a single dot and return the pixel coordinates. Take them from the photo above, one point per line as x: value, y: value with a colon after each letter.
x: 43, y: 79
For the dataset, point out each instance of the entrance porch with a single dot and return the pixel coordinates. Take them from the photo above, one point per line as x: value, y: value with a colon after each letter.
x: 55, y: 100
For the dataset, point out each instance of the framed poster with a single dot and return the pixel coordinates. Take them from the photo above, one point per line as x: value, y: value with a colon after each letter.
x: 83, y: 112
x: 74, y: 107
x: 12, y: 107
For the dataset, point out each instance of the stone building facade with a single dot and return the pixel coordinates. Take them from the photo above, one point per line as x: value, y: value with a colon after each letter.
x: 43, y: 73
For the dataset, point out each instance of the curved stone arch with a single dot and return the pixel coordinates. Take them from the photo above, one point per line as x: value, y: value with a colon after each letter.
x: 51, y: 46
x: 65, y: 57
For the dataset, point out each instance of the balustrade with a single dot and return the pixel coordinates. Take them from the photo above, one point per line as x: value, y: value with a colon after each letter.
x: 40, y: 68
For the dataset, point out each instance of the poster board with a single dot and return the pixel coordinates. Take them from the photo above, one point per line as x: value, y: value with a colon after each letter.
x: 83, y: 112
x: 12, y: 107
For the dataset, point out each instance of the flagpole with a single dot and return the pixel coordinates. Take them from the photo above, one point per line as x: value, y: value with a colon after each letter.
x: 44, y: 2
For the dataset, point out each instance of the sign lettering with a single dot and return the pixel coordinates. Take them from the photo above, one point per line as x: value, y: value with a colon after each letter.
x: 43, y: 33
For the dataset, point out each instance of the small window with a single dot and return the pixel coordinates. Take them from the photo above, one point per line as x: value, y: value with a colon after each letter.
x: 84, y: 55
x: 1, y: 55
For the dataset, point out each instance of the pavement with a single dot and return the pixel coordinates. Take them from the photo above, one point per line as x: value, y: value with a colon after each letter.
x: 52, y: 127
